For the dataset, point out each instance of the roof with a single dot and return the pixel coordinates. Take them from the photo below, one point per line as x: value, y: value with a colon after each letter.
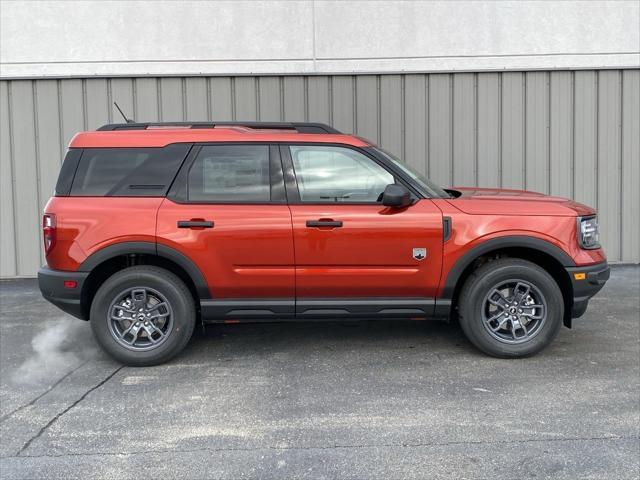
x: 161, y: 138
x: 162, y: 134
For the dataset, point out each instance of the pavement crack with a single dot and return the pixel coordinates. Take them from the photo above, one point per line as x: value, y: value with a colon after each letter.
x: 6, y: 416
x: 63, y: 412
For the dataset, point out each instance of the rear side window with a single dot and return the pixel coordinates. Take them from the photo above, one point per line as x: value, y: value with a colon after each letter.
x: 230, y: 173
x: 127, y: 172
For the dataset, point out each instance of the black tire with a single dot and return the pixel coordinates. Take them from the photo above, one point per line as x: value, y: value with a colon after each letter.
x: 167, y: 285
x: 473, y: 302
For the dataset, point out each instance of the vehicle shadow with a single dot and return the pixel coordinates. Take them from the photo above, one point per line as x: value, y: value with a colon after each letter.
x: 430, y: 337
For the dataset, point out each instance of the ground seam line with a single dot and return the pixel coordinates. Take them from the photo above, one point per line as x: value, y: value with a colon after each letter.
x: 331, y: 447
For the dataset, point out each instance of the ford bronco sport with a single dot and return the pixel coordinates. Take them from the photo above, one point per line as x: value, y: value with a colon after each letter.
x: 155, y: 227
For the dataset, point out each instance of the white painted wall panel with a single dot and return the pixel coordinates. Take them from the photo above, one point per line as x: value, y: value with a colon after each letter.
x: 245, y: 37
x: 630, y: 194
x: 8, y: 252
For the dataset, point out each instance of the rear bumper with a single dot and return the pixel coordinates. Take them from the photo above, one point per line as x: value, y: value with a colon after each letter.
x: 595, y: 276
x: 51, y: 283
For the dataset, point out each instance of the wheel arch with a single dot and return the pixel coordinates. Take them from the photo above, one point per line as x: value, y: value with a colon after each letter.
x: 106, y: 261
x: 545, y: 254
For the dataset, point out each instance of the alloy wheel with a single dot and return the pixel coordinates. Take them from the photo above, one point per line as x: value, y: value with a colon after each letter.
x: 514, y: 311
x: 140, y: 318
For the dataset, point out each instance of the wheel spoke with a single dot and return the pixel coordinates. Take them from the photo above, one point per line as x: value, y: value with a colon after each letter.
x: 124, y: 309
x: 150, y: 333
x: 495, y: 317
x: 520, y: 292
x: 139, y: 296
x: 500, y: 324
x: 532, y: 315
x: 154, y: 327
x: 523, y: 327
x: 513, y: 329
x: 156, y: 306
x: 127, y: 330
x: 500, y: 301
x: 134, y: 331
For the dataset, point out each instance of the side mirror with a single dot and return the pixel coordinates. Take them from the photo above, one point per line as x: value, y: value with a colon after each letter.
x: 396, y: 196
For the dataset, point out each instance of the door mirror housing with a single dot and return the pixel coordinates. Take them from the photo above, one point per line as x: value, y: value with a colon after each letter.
x: 396, y: 196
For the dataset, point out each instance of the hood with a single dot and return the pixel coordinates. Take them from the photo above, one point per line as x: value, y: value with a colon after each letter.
x: 497, y: 201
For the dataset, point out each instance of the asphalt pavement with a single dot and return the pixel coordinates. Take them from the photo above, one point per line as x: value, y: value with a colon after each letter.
x: 379, y: 399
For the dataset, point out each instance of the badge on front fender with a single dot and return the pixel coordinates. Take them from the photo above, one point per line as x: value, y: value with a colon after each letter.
x: 419, y: 253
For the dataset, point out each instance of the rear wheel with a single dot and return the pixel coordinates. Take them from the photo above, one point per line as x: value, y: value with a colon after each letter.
x: 143, y: 315
x: 511, y: 308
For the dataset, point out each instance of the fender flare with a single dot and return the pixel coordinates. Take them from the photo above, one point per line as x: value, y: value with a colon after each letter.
x: 509, y: 241
x: 149, y: 248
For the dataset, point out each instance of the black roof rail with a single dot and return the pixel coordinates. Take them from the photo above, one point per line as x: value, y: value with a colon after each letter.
x: 300, y: 127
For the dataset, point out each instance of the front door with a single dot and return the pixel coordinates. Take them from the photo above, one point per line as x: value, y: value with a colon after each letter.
x: 353, y: 255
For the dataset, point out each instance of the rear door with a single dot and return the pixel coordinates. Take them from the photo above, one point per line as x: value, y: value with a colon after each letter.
x: 227, y: 212
x: 353, y: 255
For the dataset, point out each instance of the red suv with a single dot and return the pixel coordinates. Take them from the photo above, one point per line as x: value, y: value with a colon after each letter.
x: 154, y: 227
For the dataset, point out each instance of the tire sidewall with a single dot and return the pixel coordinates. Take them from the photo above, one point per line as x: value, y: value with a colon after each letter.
x: 171, y: 287
x: 486, y: 278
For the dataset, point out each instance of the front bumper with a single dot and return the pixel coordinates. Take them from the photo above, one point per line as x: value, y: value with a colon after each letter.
x: 586, y: 281
x: 51, y: 283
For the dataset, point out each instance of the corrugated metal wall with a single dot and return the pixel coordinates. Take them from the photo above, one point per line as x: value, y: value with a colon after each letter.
x: 569, y: 133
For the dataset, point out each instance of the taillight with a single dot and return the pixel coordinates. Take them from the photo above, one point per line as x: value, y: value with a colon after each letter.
x: 49, y: 231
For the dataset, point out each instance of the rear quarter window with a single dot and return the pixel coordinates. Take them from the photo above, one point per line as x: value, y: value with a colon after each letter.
x: 67, y: 172
x: 127, y: 172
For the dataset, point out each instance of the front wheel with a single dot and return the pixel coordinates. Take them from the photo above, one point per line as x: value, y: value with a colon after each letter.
x: 143, y: 315
x: 511, y: 308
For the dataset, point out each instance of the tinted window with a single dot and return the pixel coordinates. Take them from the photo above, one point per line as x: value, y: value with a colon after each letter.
x: 230, y: 173
x: 127, y: 172
x: 336, y: 174
x: 68, y: 170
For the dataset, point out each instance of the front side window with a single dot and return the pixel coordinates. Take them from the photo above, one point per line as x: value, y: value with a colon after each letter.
x: 230, y: 173
x: 423, y: 182
x: 337, y: 174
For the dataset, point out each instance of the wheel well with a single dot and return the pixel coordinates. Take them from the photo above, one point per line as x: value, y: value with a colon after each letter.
x: 107, y: 268
x: 544, y: 260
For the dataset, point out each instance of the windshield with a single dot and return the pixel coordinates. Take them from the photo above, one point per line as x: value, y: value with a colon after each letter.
x: 427, y: 185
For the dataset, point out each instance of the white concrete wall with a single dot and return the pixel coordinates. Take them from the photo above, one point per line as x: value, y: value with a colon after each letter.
x: 91, y: 38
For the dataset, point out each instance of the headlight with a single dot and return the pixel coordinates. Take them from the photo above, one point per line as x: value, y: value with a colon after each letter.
x: 588, y: 232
